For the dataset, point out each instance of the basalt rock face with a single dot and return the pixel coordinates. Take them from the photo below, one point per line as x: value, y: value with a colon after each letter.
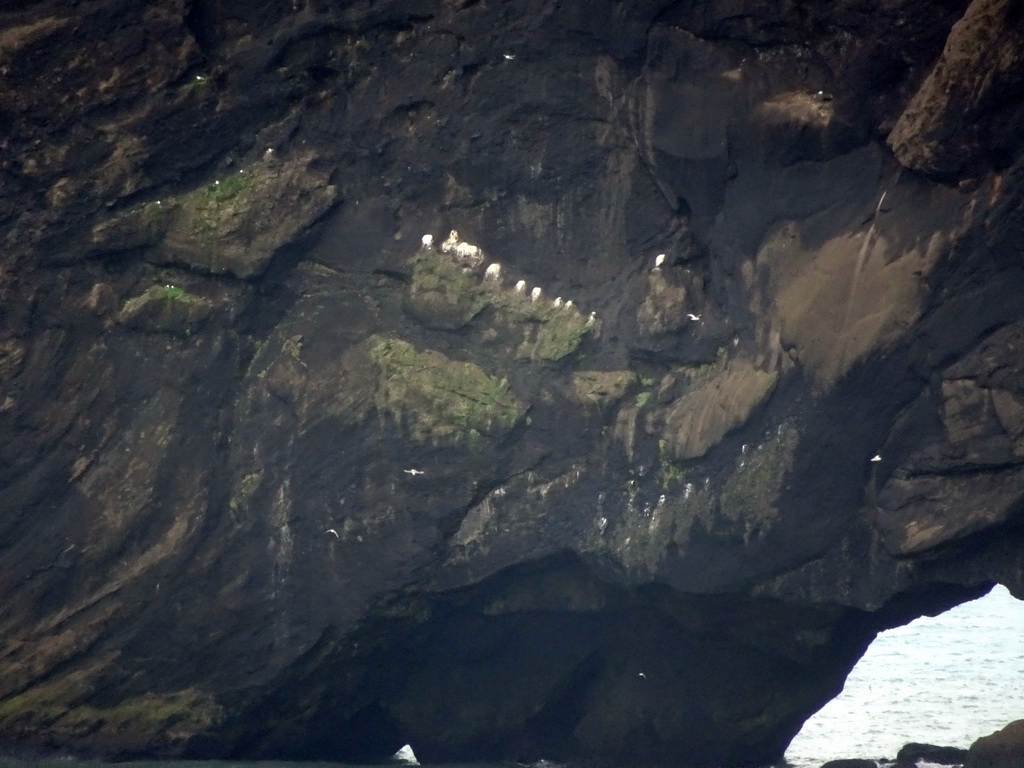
x: 279, y: 481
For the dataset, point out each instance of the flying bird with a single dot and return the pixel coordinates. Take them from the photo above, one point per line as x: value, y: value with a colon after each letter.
x: 695, y: 318
x: 414, y: 472
x: 331, y: 530
x: 876, y: 458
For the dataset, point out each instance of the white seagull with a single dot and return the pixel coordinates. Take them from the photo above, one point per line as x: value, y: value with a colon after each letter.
x: 876, y: 458
x: 695, y: 318
x: 414, y: 472
x: 331, y: 530
x: 659, y: 260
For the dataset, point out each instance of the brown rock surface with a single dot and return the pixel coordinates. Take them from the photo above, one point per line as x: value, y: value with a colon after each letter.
x: 1002, y: 749
x: 961, y: 118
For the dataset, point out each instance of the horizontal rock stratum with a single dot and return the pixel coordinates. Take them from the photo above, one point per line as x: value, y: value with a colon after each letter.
x: 278, y: 480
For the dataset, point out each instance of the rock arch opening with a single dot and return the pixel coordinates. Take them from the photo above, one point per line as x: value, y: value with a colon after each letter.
x: 944, y: 680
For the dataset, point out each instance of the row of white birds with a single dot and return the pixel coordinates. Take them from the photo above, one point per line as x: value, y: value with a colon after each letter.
x: 472, y: 256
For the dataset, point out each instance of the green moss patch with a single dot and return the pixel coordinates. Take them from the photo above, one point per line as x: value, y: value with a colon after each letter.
x: 437, y: 399
x: 214, y: 209
x: 177, y: 715
x: 233, y: 225
x: 166, y: 309
x: 448, y: 296
x: 558, y: 334
x: 147, y: 718
x: 444, y: 294
x: 751, y: 491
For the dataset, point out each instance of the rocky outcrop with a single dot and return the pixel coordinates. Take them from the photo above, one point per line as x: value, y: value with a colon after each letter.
x: 1002, y: 749
x: 912, y: 753
x: 277, y: 480
x: 959, y: 120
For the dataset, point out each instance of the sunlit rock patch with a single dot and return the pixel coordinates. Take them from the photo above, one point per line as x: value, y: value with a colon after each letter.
x: 445, y: 294
x: 438, y: 399
x: 233, y: 225
x: 167, y: 309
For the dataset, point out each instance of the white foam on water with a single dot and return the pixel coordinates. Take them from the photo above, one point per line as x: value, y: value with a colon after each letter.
x: 406, y: 755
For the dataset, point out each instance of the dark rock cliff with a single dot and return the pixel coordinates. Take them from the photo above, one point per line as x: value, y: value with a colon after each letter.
x: 665, y: 531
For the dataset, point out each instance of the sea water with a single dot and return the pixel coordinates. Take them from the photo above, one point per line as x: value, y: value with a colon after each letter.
x: 944, y: 680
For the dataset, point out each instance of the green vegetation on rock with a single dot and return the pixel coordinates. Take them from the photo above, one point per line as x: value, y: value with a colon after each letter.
x: 214, y: 207
x: 149, y: 718
x: 750, y: 493
x: 440, y: 400
x: 166, y: 309
x: 233, y: 225
x: 558, y: 335
x: 174, y: 293
x: 175, y: 715
x: 668, y: 472
x: 228, y: 189
x: 447, y: 295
